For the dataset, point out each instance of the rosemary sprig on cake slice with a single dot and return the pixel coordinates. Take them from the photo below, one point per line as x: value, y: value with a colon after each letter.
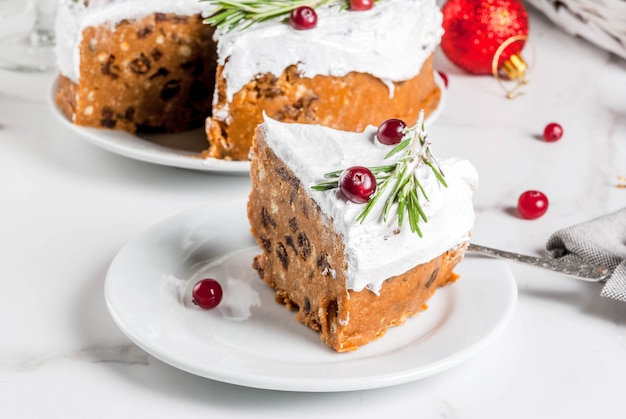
x: 241, y: 14
x: 397, y: 182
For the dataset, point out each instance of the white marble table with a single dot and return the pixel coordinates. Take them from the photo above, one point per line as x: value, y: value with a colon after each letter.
x: 67, y: 207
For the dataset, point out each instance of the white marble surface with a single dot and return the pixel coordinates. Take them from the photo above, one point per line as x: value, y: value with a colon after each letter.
x: 67, y: 207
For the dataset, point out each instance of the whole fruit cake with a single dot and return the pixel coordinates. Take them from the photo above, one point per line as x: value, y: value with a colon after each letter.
x: 159, y: 66
x: 356, y: 240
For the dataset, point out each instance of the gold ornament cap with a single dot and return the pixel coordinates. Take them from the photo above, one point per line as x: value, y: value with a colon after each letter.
x: 514, y: 69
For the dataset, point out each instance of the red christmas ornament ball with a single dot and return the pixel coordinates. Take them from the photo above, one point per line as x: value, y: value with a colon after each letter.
x: 474, y: 29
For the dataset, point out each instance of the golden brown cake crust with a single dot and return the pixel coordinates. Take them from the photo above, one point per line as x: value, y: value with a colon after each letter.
x: 155, y: 74
x: 303, y: 260
x: 348, y: 103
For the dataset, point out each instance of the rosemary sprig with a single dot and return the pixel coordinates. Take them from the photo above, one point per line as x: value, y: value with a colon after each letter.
x: 399, y: 181
x: 231, y: 14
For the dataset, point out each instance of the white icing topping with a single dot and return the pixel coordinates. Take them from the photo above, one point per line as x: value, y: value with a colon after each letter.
x: 391, y: 41
x: 373, y: 251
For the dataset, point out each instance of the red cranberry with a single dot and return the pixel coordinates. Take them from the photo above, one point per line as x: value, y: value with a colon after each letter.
x: 552, y: 132
x: 207, y: 293
x: 444, y: 77
x: 303, y: 17
x: 391, y: 131
x: 532, y: 204
x: 360, y: 5
x: 358, y: 184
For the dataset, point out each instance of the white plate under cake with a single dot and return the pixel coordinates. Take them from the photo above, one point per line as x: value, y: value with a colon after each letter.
x: 250, y: 340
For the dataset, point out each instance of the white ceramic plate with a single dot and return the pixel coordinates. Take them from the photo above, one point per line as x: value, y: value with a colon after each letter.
x: 176, y: 150
x: 251, y: 340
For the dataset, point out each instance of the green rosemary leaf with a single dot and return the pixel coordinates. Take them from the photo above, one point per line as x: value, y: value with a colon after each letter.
x: 382, y: 169
x: 412, y: 214
x: 334, y: 174
x: 325, y: 186
x: 401, y: 146
x: 375, y: 170
x: 401, y: 211
x: 392, y: 198
x: 415, y: 214
x: 381, y: 178
x: 419, y: 208
x: 372, y: 202
x: 422, y: 190
x: 437, y: 172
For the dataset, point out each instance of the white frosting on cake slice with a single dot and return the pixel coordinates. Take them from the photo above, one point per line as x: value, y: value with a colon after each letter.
x: 374, y: 249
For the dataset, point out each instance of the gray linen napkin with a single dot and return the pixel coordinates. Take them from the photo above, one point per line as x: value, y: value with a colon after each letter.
x: 601, y: 242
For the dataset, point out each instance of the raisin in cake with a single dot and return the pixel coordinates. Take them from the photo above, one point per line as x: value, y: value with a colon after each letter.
x: 154, y: 66
x: 349, y: 281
